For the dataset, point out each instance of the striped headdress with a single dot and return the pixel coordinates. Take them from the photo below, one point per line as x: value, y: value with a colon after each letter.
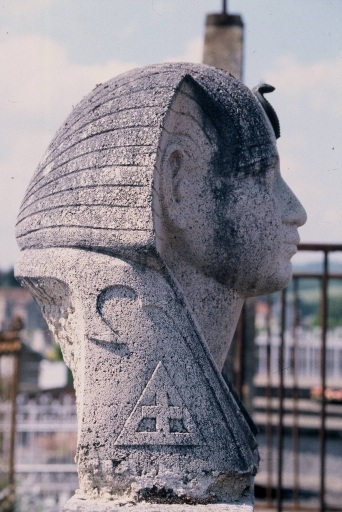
x: 93, y: 187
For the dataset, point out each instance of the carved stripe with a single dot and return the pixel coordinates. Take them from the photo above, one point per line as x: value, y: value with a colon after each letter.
x: 86, y: 236
x: 73, y: 190
x: 117, y: 84
x: 108, y: 217
x: 110, y: 197
x: 92, y: 174
x: 100, y: 142
x: 75, y: 226
x: 109, y: 158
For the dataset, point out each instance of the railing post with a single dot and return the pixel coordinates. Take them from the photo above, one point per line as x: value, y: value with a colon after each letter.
x: 269, y: 425
x: 281, y: 403
x: 322, y: 435
x: 295, y: 395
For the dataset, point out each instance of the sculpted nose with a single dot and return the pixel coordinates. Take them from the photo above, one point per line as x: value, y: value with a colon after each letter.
x: 293, y: 210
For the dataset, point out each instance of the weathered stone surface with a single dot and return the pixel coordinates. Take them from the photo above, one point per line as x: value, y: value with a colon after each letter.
x: 157, y: 209
x: 117, y: 127
x: 147, y: 388
x: 78, y: 505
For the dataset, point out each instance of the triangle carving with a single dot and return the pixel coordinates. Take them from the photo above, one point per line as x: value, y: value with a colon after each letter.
x: 160, y: 416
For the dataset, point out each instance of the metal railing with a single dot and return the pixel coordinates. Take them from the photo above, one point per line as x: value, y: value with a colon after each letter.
x: 45, y: 445
x: 295, y: 398
x: 10, y: 346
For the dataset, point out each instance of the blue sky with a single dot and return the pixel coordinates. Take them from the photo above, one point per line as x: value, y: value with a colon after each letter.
x: 53, y: 52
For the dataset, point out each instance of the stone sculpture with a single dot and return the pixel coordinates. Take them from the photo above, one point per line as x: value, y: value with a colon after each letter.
x: 156, y: 210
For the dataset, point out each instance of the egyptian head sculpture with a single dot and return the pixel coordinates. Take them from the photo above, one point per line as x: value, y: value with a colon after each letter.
x: 157, y: 209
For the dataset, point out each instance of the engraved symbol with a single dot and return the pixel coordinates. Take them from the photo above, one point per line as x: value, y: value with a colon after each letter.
x: 160, y: 417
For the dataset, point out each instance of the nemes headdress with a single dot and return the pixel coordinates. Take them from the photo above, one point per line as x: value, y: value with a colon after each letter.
x: 97, y: 174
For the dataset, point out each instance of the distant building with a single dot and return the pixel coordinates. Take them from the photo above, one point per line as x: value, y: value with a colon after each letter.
x: 36, y: 370
x: 18, y: 302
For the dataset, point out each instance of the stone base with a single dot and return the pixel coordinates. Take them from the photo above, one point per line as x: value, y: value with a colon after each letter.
x: 80, y: 505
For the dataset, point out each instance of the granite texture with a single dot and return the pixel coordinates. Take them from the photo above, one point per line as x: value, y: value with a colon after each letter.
x: 98, y: 169
x: 158, y: 207
x: 78, y: 505
x: 153, y: 410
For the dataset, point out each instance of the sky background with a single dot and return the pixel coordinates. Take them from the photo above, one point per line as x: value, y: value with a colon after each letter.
x: 53, y: 52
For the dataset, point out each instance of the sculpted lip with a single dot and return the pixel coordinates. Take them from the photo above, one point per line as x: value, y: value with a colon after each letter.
x: 291, y: 244
x: 291, y: 247
x: 293, y: 240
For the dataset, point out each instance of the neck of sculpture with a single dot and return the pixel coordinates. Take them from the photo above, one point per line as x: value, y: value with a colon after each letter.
x: 215, y: 308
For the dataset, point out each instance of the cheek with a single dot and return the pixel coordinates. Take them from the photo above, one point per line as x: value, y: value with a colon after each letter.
x: 253, y: 221
x: 251, y: 233
x: 265, y: 270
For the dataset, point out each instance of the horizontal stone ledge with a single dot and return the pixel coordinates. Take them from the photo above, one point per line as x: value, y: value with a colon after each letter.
x: 80, y: 505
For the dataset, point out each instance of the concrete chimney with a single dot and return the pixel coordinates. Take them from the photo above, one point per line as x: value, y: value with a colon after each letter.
x: 223, y: 43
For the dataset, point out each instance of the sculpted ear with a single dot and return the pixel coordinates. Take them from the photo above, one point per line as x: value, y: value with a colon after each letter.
x: 175, y: 167
x: 187, y: 144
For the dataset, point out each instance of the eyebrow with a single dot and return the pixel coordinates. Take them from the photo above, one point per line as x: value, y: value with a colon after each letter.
x: 257, y: 168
